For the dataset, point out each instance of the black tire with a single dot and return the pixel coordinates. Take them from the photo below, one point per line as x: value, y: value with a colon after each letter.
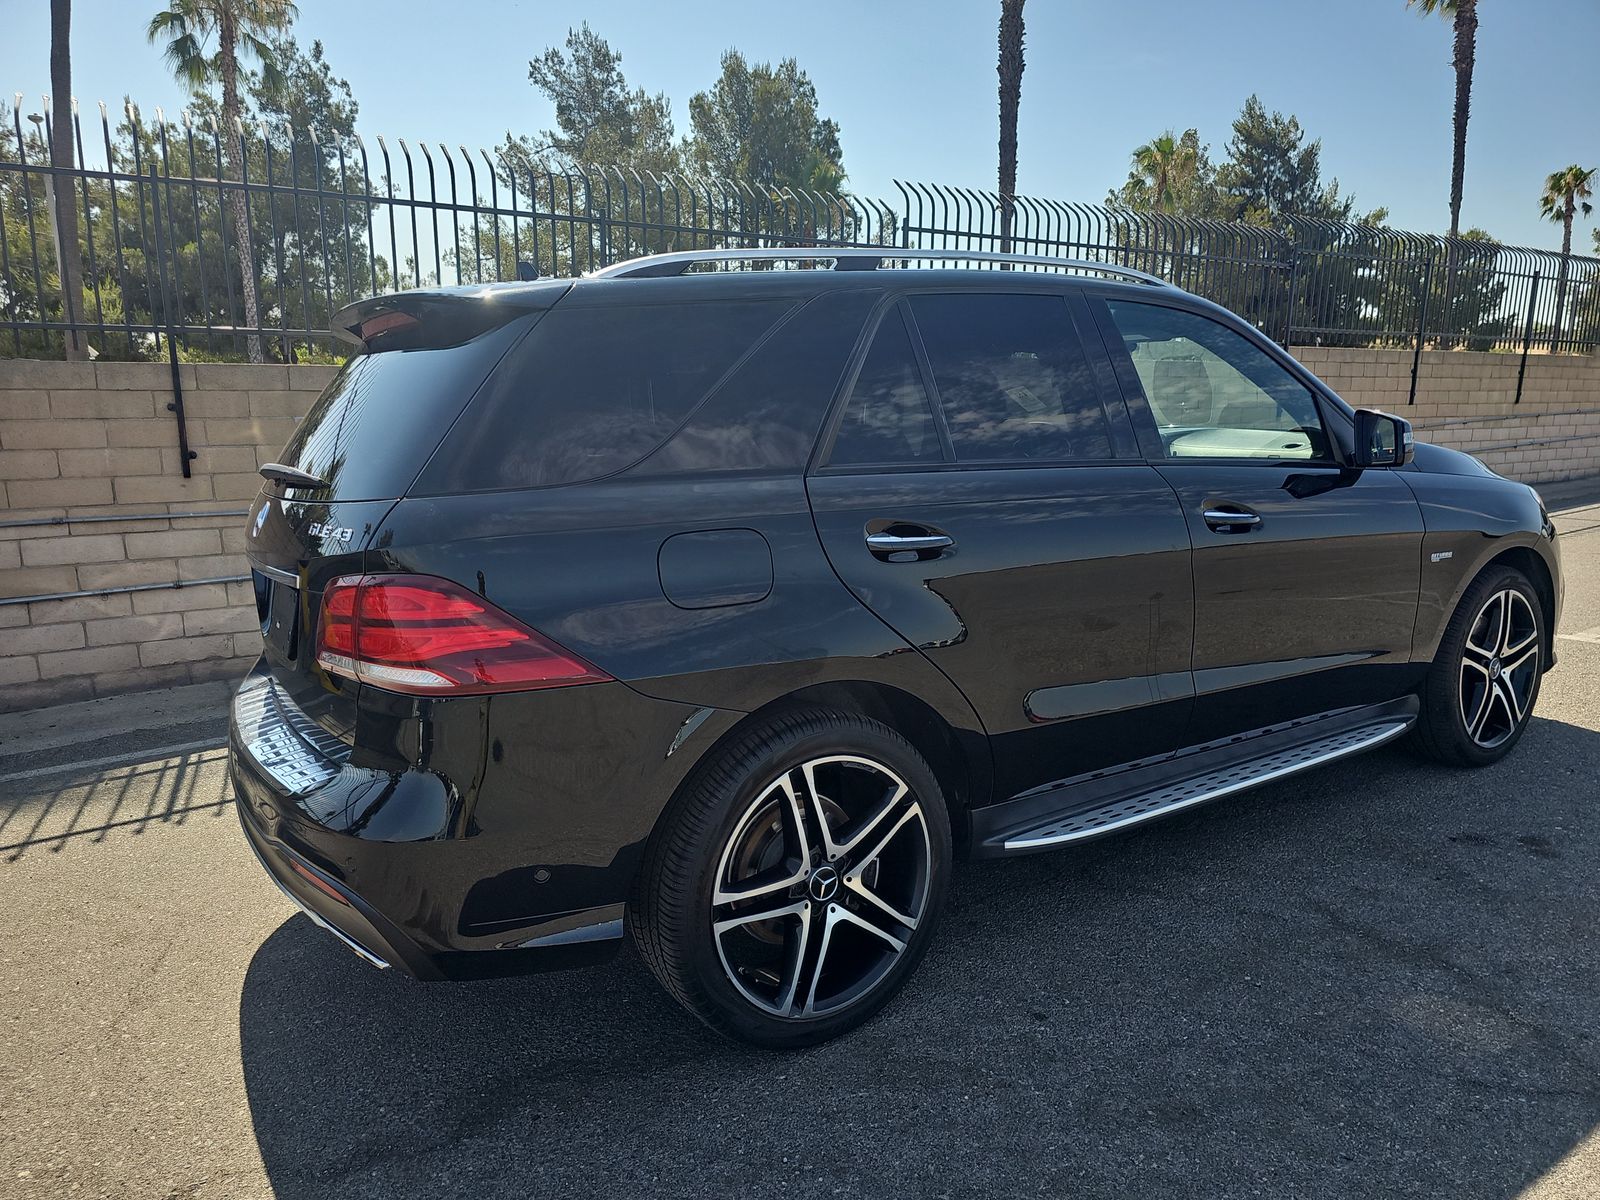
x: 1445, y: 728
x: 693, y: 857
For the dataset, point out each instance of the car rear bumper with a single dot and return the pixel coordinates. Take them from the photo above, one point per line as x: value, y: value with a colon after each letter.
x: 334, y: 908
x: 524, y: 867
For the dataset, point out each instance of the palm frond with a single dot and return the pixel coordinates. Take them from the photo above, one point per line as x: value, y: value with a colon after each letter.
x: 188, y: 61
x: 167, y: 22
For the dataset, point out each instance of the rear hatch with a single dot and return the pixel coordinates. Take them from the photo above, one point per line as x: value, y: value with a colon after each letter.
x: 418, y: 359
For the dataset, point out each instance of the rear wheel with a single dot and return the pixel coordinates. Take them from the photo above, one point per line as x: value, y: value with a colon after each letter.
x: 798, y: 880
x: 1481, y: 689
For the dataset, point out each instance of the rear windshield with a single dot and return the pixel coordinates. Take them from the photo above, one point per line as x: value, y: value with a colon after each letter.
x: 374, y: 426
x: 595, y: 389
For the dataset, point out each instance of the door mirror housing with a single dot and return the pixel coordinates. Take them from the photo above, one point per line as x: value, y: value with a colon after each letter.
x: 1382, y: 439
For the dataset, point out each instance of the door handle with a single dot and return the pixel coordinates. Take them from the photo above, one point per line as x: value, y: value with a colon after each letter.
x: 889, y: 543
x: 1225, y: 520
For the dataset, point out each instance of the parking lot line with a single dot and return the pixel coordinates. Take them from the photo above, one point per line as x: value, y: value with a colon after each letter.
x: 136, y: 758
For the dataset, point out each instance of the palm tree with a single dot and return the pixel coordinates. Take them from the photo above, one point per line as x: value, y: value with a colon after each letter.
x: 240, y: 26
x: 1566, y: 193
x: 1010, y: 70
x: 1464, y: 13
x: 1166, y: 164
x: 64, y: 196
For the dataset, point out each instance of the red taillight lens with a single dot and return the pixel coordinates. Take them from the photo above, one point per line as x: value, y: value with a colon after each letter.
x: 430, y: 637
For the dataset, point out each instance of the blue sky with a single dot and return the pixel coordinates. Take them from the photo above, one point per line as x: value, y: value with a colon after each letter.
x: 913, y: 83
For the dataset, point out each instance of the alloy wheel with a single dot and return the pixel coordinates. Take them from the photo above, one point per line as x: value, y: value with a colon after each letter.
x: 1499, y: 668
x: 821, y: 886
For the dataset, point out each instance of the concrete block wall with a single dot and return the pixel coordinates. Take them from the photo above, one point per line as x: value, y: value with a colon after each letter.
x: 92, y: 440
x: 1466, y: 401
x: 86, y: 440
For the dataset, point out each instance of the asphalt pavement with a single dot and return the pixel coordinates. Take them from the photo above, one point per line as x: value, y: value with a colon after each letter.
x: 1376, y: 979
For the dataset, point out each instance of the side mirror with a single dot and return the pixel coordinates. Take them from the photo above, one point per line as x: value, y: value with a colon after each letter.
x: 1382, y: 439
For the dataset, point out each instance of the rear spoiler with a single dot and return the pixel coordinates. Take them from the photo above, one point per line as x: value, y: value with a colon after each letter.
x: 434, y: 318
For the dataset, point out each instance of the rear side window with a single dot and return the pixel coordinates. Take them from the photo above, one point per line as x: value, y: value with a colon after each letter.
x: 1012, y: 378
x: 765, y: 416
x: 889, y: 419
x: 593, y: 390
x: 372, y: 428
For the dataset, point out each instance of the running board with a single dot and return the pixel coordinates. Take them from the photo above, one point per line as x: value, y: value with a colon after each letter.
x: 1091, y: 808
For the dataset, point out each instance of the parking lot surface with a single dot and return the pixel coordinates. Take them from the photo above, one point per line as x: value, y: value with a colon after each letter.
x: 1375, y: 979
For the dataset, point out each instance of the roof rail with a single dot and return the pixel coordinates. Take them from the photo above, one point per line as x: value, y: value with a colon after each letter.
x: 854, y: 258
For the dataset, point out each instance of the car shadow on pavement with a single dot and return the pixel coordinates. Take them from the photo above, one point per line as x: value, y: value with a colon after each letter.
x: 1375, y: 979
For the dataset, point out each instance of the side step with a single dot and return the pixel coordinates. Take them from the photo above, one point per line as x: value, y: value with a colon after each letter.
x: 1078, y: 810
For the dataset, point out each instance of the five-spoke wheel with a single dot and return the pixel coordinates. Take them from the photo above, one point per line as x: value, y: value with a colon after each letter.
x: 822, y: 883
x: 1480, y: 691
x: 1499, y: 667
x: 798, y: 881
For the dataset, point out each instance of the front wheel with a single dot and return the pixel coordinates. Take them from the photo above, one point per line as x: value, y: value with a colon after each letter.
x: 1481, y: 689
x: 798, y: 880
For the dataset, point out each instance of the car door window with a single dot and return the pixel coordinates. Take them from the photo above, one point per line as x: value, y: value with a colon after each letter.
x: 1213, y: 392
x: 1012, y: 380
x: 889, y: 419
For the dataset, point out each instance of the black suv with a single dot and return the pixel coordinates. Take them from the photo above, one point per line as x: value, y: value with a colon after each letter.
x: 718, y: 599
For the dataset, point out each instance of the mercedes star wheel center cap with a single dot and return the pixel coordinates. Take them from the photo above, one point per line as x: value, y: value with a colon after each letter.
x: 824, y: 885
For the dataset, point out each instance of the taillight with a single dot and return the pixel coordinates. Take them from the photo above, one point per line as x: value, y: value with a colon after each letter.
x: 430, y: 637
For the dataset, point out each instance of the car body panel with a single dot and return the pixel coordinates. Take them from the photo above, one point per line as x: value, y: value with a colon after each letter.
x: 1315, y: 607
x: 1063, y: 612
x: 1085, y: 618
x: 1472, y: 520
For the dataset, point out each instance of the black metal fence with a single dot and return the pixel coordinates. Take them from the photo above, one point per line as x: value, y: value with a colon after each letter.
x: 184, y: 230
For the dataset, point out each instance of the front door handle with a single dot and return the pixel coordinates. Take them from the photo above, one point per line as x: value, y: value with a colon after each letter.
x: 1237, y: 519
x: 890, y: 543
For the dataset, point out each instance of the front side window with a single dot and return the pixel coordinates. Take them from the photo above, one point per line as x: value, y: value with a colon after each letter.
x: 1012, y: 379
x: 1214, y: 393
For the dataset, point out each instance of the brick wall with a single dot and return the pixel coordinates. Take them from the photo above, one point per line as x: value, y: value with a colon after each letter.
x: 85, y: 440
x: 1465, y: 401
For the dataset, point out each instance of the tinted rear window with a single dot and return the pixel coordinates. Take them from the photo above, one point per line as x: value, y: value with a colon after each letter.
x: 889, y: 418
x: 374, y: 426
x: 593, y: 390
x: 1012, y: 378
x: 765, y: 416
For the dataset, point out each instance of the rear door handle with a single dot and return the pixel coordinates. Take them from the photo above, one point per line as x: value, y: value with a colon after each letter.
x: 888, y: 543
x: 1231, y: 520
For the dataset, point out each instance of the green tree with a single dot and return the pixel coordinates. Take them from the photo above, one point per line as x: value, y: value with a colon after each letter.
x: 759, y: 125
x: 1272, y: 172
x: 61, y: 156
x: 320, y: 256
x: 1463, y: 14
x: 1566, y: 193
x: 241, y: 27
x: 599, y: 118
x: 30, y: 296
x: 609, y: 142
x: 1012, y: 32
x: 1170, y: 174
